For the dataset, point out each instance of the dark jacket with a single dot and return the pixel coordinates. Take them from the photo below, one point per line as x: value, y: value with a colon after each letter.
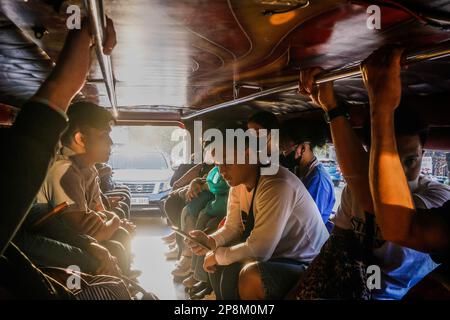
x: 28, y: 148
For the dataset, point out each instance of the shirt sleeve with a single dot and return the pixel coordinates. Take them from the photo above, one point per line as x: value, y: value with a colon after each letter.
x: 270, y: 221
x: 28, y: 148
x: 233, y: 227
x: 321, y: 192
x: 343, y: 218
x: 64, y: 184
x: 51, y: 105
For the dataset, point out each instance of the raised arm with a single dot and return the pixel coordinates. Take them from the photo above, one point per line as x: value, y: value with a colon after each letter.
x: 69, y: 74
x: 37, y: 130
x: 352, y: 157
x: 394, y: 207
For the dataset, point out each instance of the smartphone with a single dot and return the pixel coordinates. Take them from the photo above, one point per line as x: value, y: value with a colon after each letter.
x: 187, y: 236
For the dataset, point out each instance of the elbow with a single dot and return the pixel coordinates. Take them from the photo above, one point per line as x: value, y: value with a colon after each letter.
x: 261, y: 253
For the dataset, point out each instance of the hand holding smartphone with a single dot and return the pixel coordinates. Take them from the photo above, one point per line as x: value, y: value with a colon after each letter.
x: 187, y: 236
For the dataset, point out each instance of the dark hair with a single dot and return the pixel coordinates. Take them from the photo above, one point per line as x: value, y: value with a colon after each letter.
x: 300, y: 131
x: 407, y: 122
x: 265, y: 119
x: 223, y: 127
x: 84, y: 115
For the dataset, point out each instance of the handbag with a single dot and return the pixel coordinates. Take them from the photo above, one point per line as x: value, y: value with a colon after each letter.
x: 339, y: 271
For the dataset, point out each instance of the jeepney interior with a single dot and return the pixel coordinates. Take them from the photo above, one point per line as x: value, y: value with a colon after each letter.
x: 178, y: 61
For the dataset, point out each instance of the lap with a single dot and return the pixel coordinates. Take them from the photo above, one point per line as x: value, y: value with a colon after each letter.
x: 279, y: 276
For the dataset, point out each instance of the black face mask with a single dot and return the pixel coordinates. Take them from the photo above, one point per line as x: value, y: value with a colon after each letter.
x: 289, y: 161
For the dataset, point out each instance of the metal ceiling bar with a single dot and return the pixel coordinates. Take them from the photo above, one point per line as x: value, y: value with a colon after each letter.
x: 434, y: 52
x: 98, y: 23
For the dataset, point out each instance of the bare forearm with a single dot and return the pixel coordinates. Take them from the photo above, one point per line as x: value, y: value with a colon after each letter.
x: 189, y: 176
x: 392, y: 198
x: 353, y: 161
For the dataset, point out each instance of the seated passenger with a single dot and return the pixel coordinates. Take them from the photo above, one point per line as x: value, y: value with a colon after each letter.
x: 19, y: 278
x: 299, y: 139
x: 37, y: 239
x: 74, y: 179
x: 273, y: 229
x: 401, y: 267
x: 197, y: 197
x: 105, y: 175
x: 176, y: 201
x: 116, y: 198
x: 400, y: 220
x: 208, y: 221
x: 264, y: 120
x: 176, y: 182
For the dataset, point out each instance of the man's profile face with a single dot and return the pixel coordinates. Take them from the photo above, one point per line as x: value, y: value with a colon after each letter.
x: 233, y: 173
x: 98, y: 144
x: 410, y: 152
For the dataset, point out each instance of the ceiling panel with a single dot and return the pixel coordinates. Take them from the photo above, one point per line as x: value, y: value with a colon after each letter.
x: 185, y: 55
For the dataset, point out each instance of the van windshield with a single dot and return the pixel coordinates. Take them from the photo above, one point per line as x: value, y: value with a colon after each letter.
x: 146, y: 161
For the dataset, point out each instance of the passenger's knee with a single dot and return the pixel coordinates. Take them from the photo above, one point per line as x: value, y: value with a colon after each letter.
x: 115, y: 248
x: 250, y: 283
x: 118, y: 250
x: 122, y: 236
x: 172, y: 208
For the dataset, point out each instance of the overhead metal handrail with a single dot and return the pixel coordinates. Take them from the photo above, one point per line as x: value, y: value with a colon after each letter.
x: 98, y: 23
x: 438, y: 51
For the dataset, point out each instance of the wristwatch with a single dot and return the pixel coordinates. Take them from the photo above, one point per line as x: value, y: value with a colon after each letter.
x: 340, y: 110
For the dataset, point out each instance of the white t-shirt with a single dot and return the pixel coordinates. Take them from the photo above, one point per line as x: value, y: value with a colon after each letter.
x: 287, y: 222
x: 401, y: 267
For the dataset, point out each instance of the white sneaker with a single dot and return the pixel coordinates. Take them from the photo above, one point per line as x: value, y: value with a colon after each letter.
x: 172, y: 245
x: 172, y: 254
x: 169, y: 238
x: 182, y: 267
x: 211, y: 296
x: 189, y: 282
